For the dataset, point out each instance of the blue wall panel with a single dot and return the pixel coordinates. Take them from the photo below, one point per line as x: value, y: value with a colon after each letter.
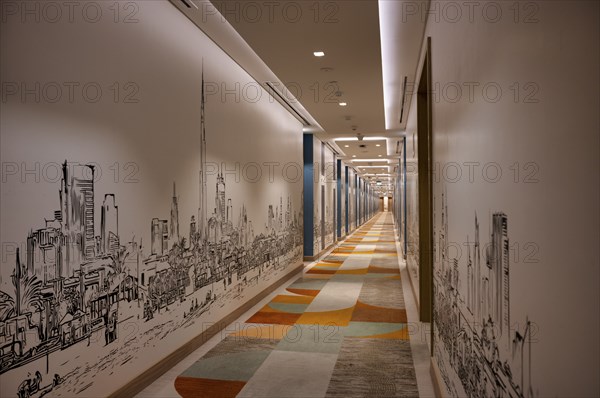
x: 308, y: 195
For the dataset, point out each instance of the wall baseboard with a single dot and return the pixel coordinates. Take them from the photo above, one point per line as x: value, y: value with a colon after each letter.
x: 436, y: 377
x: 318, y: 255
x: 149, y: 376
x: 414, y: 291
x: 410, y: 278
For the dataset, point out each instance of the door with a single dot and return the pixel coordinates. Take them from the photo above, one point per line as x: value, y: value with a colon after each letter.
x: 425, y: 189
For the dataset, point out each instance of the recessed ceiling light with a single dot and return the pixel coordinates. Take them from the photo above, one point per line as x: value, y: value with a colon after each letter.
x: 380, y: 155
x: 377, y: 144
x: 343, y: 104
x: 353, y: 156
x: 319, y: 54
x: 346, y: 146
x: 356, y: 139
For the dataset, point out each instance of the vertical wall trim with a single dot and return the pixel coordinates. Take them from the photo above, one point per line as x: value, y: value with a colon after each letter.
x: 309, y: 196
x: 404, y: 195
x: 358, y: 201
x: 346, y: 196
x: 339, y: 198
x: 356, y: 196
x: 367, y: 201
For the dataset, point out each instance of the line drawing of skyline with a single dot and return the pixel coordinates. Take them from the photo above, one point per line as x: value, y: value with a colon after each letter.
x: 476, y: 341
x: 79, y: 287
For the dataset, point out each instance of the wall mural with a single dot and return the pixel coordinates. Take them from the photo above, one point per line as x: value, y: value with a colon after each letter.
x: 400, y: 202
x: 82, y: 287
x: 352, y: 199
x: 330, y: 174
x: 318, y: 172
x: 412, y: 215
x: 324, y: 205
x: 362, y: 198
x: 479, y: 352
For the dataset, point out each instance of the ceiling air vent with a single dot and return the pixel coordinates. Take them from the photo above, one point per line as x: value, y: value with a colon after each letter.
x: 403, y: 98
x: 335, y: 152
x: 286, y: 104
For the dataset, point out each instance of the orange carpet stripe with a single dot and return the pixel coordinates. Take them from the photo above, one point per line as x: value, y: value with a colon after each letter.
x: 324, y: 264
x: 361, y: 271
x: 192, y: 387
x: 401, y: 334
x: 304, y: 292
x: 370, y: 313
x: 335, y: 317
x: 318, y: 276
x: 321, y: 271
x: 280, y: 318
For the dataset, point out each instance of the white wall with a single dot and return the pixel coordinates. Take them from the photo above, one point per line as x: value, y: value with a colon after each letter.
x: 549, y: 133
x: 140, y: 149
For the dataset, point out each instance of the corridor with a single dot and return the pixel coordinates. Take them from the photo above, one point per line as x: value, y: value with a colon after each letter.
x: 339, y: 330
x: 366, y: 198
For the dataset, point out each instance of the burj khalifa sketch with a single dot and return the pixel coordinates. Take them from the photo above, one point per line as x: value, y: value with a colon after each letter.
x: 202, y: 185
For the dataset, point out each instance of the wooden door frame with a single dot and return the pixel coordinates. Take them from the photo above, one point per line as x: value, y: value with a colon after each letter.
x: 424, y: 137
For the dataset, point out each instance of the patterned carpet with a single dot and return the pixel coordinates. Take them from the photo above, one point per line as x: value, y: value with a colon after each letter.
x: 338, y: 331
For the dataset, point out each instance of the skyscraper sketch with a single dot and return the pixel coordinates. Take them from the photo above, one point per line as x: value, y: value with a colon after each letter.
x: 201, y: 226
x: 109, y: 226
x: 174, y: 224
x: 477, y: 344
x: 77, y: 214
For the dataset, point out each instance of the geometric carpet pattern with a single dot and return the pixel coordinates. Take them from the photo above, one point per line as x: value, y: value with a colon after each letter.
x: 338, y: 331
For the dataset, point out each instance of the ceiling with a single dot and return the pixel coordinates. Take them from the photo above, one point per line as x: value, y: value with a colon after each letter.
x: 346, y: 31
x: 369, y: 46
x: 362, y: 149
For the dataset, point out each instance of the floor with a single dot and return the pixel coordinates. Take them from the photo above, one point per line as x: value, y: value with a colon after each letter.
x: 346, y: 326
